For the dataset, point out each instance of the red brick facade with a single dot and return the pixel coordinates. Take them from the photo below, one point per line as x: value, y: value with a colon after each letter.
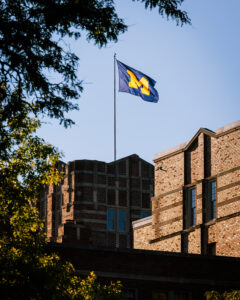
x: 96, y: 201
x: 196, y: 207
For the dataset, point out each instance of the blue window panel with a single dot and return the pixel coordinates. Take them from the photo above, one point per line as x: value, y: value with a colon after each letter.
x: 213, y: 208
x: 110, y: 219
x: 213, y: 189
x: 213, y: 198
x: 192, y: 196
x: 145, y: 214
x: 193, y: 216
x: 122, y: 221
x: 193, y: 193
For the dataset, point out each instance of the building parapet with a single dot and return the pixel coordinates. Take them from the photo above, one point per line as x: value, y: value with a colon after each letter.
x: 184, y: 146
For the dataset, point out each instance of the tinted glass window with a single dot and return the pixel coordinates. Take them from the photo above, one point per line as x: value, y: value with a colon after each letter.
x: 193, y: 206
x: 213, y: 198
x: 121, y: 220
x: 145, y: 214
x: 110, y: 219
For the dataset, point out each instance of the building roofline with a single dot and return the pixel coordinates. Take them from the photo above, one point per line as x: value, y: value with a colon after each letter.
x: 111, y: 162
x: 125, y: 157
x: 109, y: 250
x: 183, y: 147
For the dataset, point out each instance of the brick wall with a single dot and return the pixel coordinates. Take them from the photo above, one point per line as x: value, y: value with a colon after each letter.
x: 154, y: 271
x: 143, y: 234
x: 79, y: 203
x: 209, y: 156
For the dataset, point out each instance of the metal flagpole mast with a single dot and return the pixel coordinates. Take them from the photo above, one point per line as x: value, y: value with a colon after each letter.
x: 115, y: 131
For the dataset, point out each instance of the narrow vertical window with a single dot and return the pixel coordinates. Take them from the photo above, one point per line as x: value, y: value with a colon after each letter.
x: 193, y: 206
x: 190, y: 207
x: 95, y: 196
x: 193, y: 201
x: 211, y: 249
x: 122, y: 220
x: 110, y: 219
x: 213, y: 198
x: 59, y: 218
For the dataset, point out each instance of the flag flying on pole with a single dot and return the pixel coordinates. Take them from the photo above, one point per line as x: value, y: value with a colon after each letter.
x: 136, y: 83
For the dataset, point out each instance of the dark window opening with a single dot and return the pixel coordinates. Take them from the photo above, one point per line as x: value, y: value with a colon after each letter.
x: 111, y: 197
x: 59, y: 218
x: 211, y: 249
x: 184, y: 242
x: 121, y: 220
x: 146, y: 200
x: 212, y: 198
x: 190, y: 207
x: 145, y: 214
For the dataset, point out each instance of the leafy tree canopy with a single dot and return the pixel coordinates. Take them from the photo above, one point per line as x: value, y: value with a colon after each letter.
x: 31, y: 33
x: 27, y: 272
x: 214, y: 295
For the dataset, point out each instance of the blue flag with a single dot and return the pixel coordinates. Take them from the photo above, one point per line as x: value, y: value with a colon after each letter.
x: 136, y: 83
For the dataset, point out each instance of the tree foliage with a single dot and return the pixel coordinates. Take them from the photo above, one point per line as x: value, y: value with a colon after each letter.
x: 26, y: 271
x: 214, y: 295
x: 169, y: 8
x: 90, y: 289
x: 32, y: 36
x: 31, y: 45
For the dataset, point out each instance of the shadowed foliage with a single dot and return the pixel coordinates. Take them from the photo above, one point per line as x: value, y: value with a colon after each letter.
x: 214, y: 295
x: 32, y: 45
x: 27, y: 272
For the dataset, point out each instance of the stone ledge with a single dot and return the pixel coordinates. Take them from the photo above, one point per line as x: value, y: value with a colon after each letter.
x: 227, y: 127
x: 142, y: 222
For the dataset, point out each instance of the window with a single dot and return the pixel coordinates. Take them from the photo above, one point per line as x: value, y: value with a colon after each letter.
x: 192, y: 196
x: 190, y: 207
x: 145, y: 214
x: 122, y: 220
x: 59, y: 218
x: 212, y: 198
x: 110, y: 219
x: 95, y: 196
x: 211, y: 249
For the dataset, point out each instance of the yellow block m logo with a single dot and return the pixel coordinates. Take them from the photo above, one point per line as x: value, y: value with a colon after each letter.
x: 134, y: 83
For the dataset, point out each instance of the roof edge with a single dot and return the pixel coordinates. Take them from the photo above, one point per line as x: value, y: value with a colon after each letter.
x: 182, y: 147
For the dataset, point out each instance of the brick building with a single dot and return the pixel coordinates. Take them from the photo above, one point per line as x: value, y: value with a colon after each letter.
x: 153, y: 275
x: 96, y: 202
x: 196, y: 207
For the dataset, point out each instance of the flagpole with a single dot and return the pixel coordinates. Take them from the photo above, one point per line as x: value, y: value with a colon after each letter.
x: 115, y: 131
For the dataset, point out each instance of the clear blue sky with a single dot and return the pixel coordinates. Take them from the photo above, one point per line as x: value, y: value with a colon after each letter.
x: 197, y: 69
